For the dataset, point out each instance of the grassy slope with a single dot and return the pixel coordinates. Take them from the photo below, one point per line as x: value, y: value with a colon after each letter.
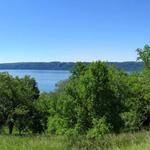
x: 137, y: 141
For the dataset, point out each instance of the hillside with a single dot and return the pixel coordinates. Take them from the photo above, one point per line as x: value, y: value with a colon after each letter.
x: 127, y: 66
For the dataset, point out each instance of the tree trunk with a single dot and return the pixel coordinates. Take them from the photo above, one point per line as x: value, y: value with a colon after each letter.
x: 11, y: 125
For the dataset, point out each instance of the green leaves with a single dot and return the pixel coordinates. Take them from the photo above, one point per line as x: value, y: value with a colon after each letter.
x: 144, y: 55
x: 91, y: 93
x: 17, y: 102
x: 100, y: 127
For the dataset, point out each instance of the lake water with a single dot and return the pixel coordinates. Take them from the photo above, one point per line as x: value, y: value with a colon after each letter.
x: 46, y: 79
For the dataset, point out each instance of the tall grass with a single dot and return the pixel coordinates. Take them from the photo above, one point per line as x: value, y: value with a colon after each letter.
x: 32, y: 143
x: 126, y: 141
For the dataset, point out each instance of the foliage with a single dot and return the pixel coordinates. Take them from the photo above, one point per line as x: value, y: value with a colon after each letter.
x: 100, y: 127
x: 97, y: 99
x: 56, y: 125
x: 144, y: 55
x: 98, y: 91
x: 91, y: 93
x: 18, y: 108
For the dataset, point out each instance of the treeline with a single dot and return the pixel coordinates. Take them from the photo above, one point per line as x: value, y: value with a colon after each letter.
x: 97, y: 99
x: 126, y: 66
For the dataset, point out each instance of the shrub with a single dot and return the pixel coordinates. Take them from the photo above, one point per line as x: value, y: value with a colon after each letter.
x: 56, y: 125
x: 100, y: 127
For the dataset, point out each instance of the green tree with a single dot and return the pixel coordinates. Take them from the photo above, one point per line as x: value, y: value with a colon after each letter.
x: 17, y: 98
x: 144, y: 55
x: 95, y: 93
x: 78, y: 70
x: 137, y: 103
x: 7, y: 99
x: 100, y: 96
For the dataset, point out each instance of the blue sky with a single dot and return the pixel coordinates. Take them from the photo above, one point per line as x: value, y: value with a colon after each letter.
x: 72, y: 30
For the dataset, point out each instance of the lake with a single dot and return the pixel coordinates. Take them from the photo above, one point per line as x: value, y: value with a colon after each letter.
x: 46, y: 79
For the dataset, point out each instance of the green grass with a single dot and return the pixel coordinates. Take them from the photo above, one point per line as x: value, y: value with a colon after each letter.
x: 32, y: 143
x: 126, y: 141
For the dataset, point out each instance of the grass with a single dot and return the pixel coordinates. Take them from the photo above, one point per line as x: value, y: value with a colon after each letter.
x: 126, y: 141
x: 32, y: 143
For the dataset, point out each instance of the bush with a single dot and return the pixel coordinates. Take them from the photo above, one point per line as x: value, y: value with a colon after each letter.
x: 72, y: 132
x: 56, y: 125
x: 100, y: 127
x: 131, y: 121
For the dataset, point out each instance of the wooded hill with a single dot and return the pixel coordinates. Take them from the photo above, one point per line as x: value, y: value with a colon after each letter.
x: 127, y: 66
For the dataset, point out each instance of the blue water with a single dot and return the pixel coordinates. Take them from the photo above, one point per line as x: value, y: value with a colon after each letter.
x: 46, y: 79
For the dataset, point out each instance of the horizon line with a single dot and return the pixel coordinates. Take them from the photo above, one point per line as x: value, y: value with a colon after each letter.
x: 67, y: 61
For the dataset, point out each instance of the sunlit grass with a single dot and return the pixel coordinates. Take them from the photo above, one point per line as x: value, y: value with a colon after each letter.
x: 126, y: 141
x: 32, y: 143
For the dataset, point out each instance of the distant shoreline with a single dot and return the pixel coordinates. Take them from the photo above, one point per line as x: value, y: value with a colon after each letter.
x: 127, y: 66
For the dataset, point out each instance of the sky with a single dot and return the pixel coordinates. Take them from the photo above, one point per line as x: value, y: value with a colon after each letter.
x: 73, y: 30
